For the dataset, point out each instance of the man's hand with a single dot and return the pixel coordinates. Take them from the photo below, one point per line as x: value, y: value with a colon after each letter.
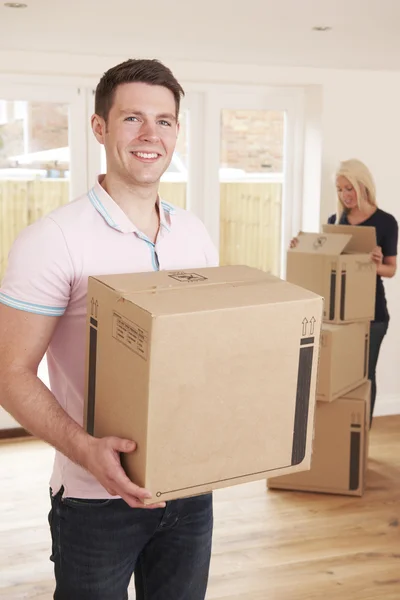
x: 103, y: 461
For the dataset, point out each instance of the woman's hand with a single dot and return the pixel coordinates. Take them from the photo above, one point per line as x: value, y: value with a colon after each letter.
x: 377, y: 256
x: 294, y: 242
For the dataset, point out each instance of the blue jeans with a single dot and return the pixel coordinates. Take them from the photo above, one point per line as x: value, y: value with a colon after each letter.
x: 377, y: 333
x: 98, y: 544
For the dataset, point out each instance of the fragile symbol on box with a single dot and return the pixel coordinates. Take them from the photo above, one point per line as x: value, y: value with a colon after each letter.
x: 185, y: 277
x: 319, y: 242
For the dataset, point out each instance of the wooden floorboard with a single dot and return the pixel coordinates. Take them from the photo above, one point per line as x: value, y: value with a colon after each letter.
x: 268, y: 545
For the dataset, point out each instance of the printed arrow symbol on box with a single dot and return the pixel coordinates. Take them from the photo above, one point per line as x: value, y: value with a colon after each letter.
x: 312, y: 325
x: 305, y: 323
x: 92, y: 307
x: 96, y: 304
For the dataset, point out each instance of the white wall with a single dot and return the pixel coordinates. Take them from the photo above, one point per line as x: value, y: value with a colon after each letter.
x: 360, y: 118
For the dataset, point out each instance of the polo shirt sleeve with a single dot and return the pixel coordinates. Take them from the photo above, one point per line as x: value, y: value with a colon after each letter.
x: 39, y: 271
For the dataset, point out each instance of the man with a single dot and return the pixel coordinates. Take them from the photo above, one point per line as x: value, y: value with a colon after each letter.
x: 101, y: 531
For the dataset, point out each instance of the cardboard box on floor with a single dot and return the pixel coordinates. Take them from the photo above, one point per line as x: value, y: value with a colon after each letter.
x: 336, y: 264
x: 212, y: 372
x: 340, y: 451
x: 343, y: 363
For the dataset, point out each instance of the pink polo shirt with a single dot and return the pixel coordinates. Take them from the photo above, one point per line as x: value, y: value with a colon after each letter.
x: 47, y: 274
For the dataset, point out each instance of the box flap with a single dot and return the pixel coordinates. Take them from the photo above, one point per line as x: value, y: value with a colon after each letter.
x: 363, y: 239
x: 362, y: 392
x: 129, y: 283
x: 321, y: 243
x: 217, y: 297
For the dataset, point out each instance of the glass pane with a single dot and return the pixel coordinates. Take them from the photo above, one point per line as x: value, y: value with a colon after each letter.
x: 251, y: 178
x: 173, y: 184
x: 34, y: 165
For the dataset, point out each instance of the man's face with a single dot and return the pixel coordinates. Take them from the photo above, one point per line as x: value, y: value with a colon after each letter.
x: 140, y: 134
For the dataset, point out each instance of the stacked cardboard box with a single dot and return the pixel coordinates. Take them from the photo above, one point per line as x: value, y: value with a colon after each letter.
x: 337, y: 265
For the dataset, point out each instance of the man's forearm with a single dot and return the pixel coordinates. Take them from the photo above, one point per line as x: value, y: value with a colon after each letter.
x: 32, y: 404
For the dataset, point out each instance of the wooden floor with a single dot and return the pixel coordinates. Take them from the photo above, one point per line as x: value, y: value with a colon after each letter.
x: 268, y: 545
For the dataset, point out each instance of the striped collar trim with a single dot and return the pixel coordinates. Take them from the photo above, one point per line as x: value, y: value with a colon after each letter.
x: 115, y: 217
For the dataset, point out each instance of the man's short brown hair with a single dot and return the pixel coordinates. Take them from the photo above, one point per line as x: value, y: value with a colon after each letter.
x: 150, y: 71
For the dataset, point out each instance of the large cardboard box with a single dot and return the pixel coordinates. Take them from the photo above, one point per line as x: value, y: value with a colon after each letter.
x: 343, y: 363
x: 340, y: 453
x: 336, y: 264
x: 212, y: 373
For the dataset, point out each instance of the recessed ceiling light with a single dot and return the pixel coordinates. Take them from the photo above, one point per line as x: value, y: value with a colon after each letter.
x: 15, y: 5
x: 322, y: 28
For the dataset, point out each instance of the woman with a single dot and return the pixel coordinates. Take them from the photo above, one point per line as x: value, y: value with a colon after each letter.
x: 357, y: 206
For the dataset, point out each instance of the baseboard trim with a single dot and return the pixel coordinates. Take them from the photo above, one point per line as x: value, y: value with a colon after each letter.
x: 387, y: 405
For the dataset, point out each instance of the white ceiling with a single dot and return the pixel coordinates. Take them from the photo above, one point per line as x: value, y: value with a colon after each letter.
x: 365, y: 33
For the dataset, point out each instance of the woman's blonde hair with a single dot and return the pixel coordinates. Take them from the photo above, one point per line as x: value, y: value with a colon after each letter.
x: 362, y: 181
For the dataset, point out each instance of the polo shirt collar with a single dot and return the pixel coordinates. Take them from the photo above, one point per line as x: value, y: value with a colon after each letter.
x: 115, y: 217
